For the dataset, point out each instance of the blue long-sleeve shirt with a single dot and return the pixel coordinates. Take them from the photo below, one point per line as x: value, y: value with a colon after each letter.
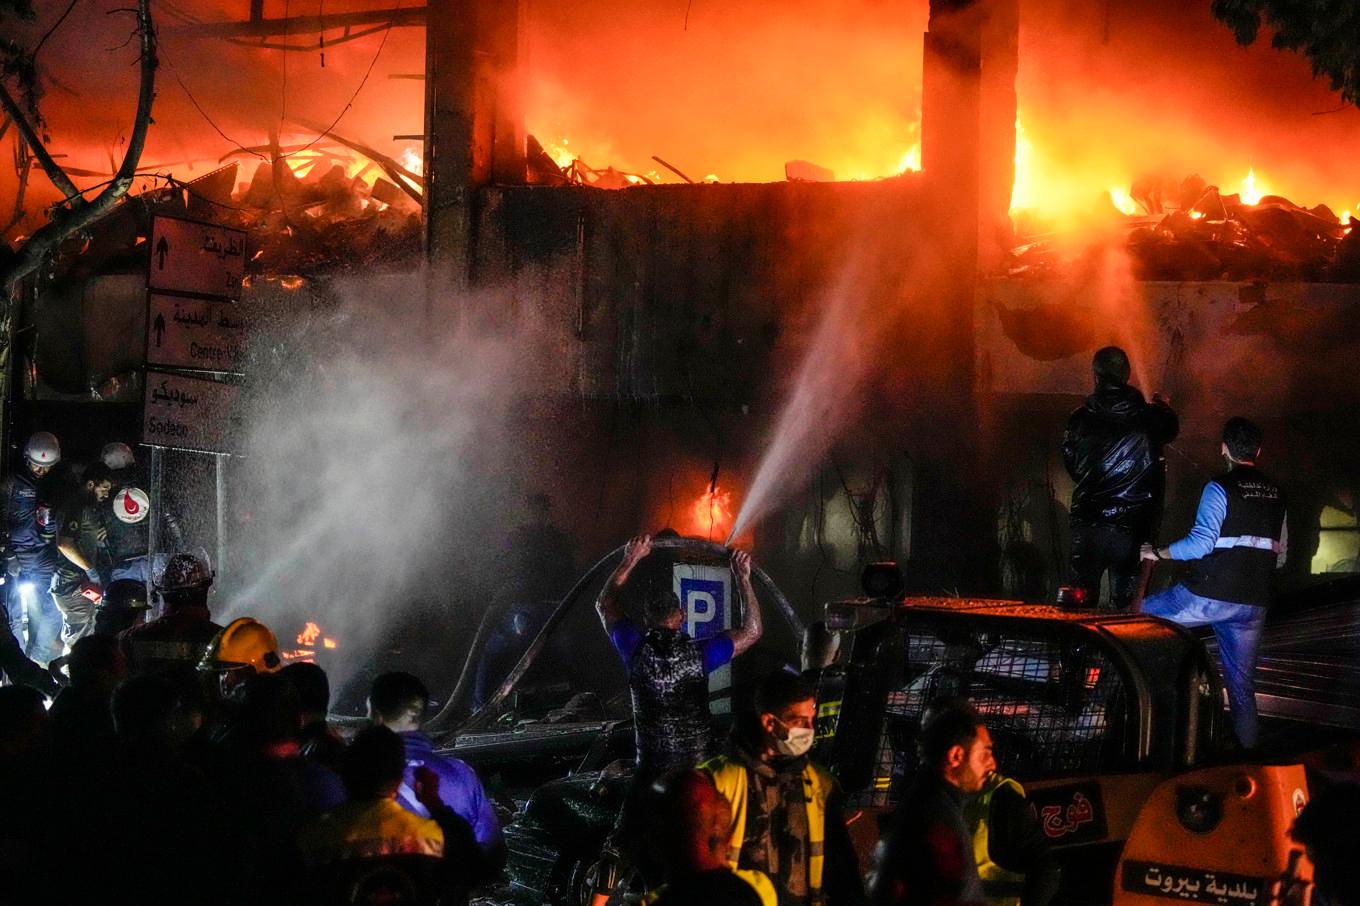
x: 458, y: 787
x: 1213, y: 507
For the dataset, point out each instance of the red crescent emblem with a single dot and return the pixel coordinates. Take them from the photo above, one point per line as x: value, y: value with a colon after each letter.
x: 130, y: 505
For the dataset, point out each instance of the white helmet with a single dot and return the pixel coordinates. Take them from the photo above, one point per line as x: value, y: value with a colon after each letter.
x: 43, y: 449
x: 131, y: 505
x: 117, y: 455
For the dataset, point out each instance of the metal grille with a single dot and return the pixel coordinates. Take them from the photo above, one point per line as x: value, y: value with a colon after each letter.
x: 1053, y: 705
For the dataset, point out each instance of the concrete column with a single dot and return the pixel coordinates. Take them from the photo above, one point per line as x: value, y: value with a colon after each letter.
x: 968, y: 109
x: 507, y: 65
x: 457, y: 159
x: 997, y: 111
x: 474, y: 124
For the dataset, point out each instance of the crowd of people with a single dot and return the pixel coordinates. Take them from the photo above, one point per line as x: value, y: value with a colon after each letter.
x: 182, y: 761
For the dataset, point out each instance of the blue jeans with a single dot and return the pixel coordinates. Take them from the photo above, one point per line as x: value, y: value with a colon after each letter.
x: 44, y: 619
x: 1238, y: 630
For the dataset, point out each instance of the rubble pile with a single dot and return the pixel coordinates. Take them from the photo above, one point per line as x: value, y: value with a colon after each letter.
x: 325, y: 221
x: 1193, y: 232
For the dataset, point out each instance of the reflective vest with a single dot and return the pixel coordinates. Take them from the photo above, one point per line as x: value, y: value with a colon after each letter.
x: 1239, y: 567
x: 764, y: 887
x: 729, y: 776
x: 999, y: 886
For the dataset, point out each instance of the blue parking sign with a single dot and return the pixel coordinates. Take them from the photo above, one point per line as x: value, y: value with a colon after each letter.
x: 704, y: 603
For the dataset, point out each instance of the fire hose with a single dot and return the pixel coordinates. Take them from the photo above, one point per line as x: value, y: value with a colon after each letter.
x: 491, y: 709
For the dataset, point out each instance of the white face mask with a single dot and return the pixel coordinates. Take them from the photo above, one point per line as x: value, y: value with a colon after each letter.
x: 798, y: 743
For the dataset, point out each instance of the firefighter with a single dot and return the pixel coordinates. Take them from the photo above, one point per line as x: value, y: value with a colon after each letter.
x: 1112, y: 448
x: 787, y: 818
x: 80, y: 541
x: 179, y: 638
x: 1239, y: 539
x: 245, y: 648
x: 128, y: 525
x: 31, y: 550
x: 668, y: 676
x: 123, y: 605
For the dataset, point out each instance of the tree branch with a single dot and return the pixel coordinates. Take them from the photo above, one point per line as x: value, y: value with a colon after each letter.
x: 30, y: 136
x: 66, y: 221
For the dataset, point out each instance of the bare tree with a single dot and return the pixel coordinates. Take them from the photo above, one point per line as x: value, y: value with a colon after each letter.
x: 75, y: 212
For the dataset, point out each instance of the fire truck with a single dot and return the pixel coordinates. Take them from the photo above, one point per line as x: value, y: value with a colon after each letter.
x: 1114, y: 724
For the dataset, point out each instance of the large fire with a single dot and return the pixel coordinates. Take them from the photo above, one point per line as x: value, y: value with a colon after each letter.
x: 711, y: 514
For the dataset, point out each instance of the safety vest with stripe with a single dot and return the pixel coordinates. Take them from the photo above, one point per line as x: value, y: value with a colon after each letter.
x: 730, y: 777
x: 1000, y: 886
x: 764, y: 887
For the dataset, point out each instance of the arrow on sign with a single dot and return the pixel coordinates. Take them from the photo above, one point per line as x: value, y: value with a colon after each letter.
x: 162, y: 249
x: 159, y: 326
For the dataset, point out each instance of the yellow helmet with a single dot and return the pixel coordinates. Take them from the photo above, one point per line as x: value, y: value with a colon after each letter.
x: 244, y: 642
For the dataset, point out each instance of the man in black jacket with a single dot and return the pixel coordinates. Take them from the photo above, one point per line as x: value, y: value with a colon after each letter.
x: 1113, y: 450
x: 927, y: 859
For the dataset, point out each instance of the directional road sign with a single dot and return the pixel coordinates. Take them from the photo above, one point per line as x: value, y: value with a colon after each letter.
x: 198, y: 258
x: 189, y: 413
x: 195, y: 333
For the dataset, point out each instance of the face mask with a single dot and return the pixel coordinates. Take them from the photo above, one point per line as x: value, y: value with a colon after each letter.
x: 798, y: 742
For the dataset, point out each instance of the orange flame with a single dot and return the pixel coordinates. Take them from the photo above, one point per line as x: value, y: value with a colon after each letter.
x: 711, y: 515
x: 309, y: 634
x: 411, y: 160
x: 328, y: 643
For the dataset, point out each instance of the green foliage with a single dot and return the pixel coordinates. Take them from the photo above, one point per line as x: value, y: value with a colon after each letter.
x: 1327, y: 32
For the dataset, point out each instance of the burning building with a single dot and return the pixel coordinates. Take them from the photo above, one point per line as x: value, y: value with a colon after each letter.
x: 775, y: 327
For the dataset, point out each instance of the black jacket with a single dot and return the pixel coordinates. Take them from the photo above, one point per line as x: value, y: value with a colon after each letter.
x: 1113, y: 450
x: 927, y: 856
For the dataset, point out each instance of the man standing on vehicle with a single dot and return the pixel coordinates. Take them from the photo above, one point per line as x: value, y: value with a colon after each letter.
x: 927, y: 857
x: 1113, y: 450
x: 787, y: 819
x: 1239, y: 538
x: 668, y: 676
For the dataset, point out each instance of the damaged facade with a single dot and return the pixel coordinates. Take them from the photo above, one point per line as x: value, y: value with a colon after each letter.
x: 666, y: 322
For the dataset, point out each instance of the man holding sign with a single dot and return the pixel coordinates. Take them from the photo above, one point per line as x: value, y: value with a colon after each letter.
x: 668, y: 675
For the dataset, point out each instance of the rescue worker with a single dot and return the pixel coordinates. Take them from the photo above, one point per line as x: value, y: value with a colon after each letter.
x: 31, y: 549
x: 127, y: 522
x: 1238, y: 540
x: 123, y: 605
x: 245, y: 648
x: 689, y: 829
x: 787, y: 818
x: 80, y: 541
x: 668, y: 678
x: 1112, y: 448
x: 179, y: 638
x: 120, y: 461
x: 926, y: 859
